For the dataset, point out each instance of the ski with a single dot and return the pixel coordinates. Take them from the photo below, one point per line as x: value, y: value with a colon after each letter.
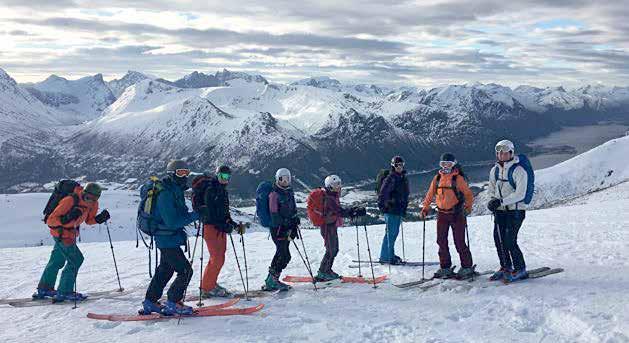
x: 344, y: 279
x: 413, y: 284
x: 536, y: 273
x: 407, y: 263
x: 239, y: 295
x: 90, y: 297
x: 29, y: 299
x: 208, y: 311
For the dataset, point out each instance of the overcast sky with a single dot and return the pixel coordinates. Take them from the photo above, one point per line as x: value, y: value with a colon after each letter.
x: 423, y: 43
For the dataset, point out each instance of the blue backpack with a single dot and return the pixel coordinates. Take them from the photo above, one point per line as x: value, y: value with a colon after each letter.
x: 263, y: 212
x: 146, y: 221
x: 530, y: 185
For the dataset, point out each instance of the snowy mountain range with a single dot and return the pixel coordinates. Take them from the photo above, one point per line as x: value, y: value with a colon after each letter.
x: 131, y: 126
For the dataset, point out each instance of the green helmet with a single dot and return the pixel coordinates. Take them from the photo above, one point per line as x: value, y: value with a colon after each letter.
x: 93, y: 189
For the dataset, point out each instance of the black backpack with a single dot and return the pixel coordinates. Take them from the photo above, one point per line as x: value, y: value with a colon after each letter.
x: 200, y: 185
x: 62, y: 189
x: 382, y: 174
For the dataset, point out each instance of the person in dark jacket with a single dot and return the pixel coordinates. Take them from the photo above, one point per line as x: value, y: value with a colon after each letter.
x: 393, y: 202
x: 217, y: 224
x: 284, y: 227
x: 172, y: 215
x: 333, y: 214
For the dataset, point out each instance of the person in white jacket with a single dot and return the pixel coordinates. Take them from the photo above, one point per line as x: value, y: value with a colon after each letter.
x: 507, y: 204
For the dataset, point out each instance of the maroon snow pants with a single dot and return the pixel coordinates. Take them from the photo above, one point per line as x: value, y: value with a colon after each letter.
x: 458, y: 223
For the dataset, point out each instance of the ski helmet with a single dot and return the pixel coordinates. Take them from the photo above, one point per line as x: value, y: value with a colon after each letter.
x: 332, y: 181
x: 505, y: 145
x: 397, y: 160
x: 282, y: 173
x: 173, y: 165
x: 93, y: 189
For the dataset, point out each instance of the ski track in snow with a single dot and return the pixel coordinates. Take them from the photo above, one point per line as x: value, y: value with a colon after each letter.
x: 586, y: 303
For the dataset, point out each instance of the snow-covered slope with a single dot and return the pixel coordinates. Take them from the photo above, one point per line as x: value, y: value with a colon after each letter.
x: 590, y: 172
x: 586, y: 303
x: 85, y: 98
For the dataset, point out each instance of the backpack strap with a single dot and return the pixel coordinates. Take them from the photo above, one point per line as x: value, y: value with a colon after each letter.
x: 510, y: 174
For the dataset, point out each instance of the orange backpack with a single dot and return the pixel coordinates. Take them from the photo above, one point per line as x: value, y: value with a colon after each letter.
x: 315, y: 205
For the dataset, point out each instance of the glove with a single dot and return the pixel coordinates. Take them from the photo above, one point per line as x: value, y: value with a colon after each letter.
x: 294, y: 234
x: 467, y: 211
x: 102, y: 217
x: 74, y: 213
x: 493, y: 204
x: 241, y: 228
x: 359, y: 211
x: 424, y: 213
x: 296, y: 221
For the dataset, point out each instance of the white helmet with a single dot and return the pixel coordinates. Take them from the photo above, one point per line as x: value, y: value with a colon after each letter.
x: 282, y: 173
x: 505, y: 145
x: 332, y: 181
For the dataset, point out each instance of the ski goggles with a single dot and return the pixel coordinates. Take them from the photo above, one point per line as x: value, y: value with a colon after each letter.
x: 224, y: 176
x: 89, y: 197
x: 446, y: 164
x: 503, y: 148
x: 182, y: 172
x: 398, y: 164
x: 285, y: 179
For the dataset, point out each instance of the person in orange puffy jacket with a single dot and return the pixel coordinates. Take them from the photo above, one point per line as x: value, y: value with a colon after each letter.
x: 454, y: 202
x: 64, y: 222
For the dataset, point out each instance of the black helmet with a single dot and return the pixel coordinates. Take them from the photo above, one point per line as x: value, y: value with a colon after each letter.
x: 396, y: 159
x: 223, y: 169
x: 173, y: 165
x: 448, y: 157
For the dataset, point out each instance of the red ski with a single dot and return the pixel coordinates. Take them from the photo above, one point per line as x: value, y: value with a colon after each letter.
x: 207, y: 311
x: 344, y: 279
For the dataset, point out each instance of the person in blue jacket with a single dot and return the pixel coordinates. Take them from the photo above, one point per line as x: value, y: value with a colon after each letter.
x: 171, y: 214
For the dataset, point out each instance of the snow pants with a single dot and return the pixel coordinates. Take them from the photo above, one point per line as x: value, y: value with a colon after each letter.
x: 393, y: 221
x: 282, y: 251
x: 506, y: 227
x: 173, y: 260
x: 62, y: 254
x: 216, y: 242
x: 331, y: 241
x: 457, y: 222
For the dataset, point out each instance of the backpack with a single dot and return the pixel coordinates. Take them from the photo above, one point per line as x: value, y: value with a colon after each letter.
x: 315, y: 206
x: 199, y: 186
x: 263, y: 211
x: 525, y: 163
x: 459, y: 195
x: 146, y: 222
x: 62, y: 189
x: 382, y: 174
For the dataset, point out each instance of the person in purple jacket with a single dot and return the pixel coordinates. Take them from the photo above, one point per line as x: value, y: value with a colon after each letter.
x: 393, y: 202
x: 284, y: 226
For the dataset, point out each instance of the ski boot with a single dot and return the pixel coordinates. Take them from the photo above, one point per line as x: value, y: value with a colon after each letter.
x: 74, y: 296
x: 516, y: 275
x: 335, y: 274
x: 43, y: 293
x: 273, y: 283
x: 326, y: 277
x: 500, y: 274
x: 176, y: 308
x: 218, y: 291
x: 397, y: 260
x: 465, y: 273
x: 149, y: 307
x: 444, y: 273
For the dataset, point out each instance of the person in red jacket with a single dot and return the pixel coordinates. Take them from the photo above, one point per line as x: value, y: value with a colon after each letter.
x: 64, y: 222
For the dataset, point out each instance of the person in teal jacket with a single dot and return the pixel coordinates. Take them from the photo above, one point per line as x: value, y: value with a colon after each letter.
x: 171, y: 214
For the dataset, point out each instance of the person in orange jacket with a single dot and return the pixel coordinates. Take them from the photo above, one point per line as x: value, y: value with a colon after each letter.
x: 75, y: 209
x: 454, y: 202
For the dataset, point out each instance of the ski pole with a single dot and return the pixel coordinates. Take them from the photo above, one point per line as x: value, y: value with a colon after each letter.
x: 467, y: 235
x: 388, y: 243
x: 360, y: 274
x: 301, y: 238
x: 200, y: 303
x: 244, y: 254
x: 424, y: 249
x: 373, y: 275
x: 238, y: 264
x: 402, y: 229
x: 502, y: 257
x: 111, y: 245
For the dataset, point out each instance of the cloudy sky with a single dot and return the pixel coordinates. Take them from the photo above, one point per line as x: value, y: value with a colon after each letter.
x: 423, y: 43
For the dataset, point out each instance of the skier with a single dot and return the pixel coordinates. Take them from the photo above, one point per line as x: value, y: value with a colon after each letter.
x: 454, y: 202
x: 171, y: 214
x: 73, y: 210
x: 284, y: 226
x: 393, y: 202
x: 217, y: 223
x: 332, y: 214
x: 508, y: 205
